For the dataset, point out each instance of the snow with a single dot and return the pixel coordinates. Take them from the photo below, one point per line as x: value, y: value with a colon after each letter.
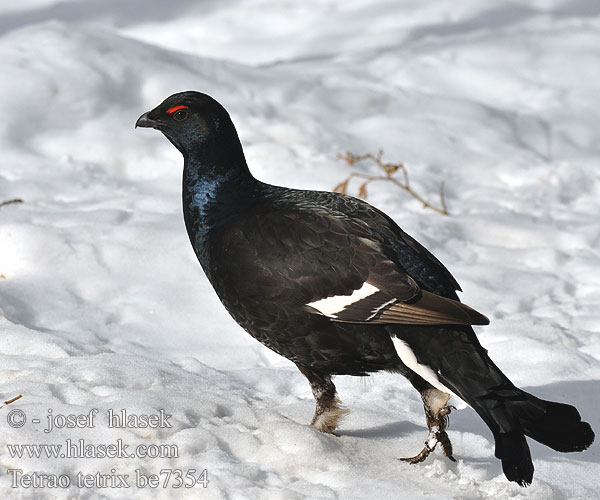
x: 103, y: 305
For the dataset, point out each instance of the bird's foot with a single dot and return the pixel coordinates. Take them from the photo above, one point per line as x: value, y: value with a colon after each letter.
x: 437, y: 434
x: 436, y: 413
x: 421, y: 456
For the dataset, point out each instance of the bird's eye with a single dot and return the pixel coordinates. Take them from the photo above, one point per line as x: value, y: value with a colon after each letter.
x: 181, y: 115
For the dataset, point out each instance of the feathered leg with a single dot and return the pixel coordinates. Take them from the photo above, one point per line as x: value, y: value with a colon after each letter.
x: 328, y: 411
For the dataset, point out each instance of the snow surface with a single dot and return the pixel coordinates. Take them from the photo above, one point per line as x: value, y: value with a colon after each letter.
x: 103, y: 304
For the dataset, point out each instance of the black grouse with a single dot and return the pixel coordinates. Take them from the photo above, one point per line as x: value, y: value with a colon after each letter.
x: 335, y: 286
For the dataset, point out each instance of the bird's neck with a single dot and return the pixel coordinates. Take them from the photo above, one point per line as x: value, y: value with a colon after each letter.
x: 217, y: 185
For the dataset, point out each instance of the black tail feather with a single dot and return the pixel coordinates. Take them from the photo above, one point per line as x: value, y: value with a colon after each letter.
x: 513, y: 450
x: 513, y: 414
x: 511, y: 446
x: 510, y: 413
x: 556, y: 425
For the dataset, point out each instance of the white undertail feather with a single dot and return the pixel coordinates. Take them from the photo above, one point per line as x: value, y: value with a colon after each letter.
x: 331, y: 306
x: 408, y: 357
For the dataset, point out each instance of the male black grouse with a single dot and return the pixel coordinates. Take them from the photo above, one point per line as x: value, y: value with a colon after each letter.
x: 335, y: 286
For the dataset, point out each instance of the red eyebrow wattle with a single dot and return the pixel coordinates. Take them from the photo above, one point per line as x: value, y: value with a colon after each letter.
x: 175, y: 108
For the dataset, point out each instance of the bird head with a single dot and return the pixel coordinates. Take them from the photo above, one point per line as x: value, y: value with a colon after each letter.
x: 190, y: 120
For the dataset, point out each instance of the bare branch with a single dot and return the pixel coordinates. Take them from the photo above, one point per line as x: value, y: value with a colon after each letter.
x: 11, y: 400
x: 389, y: 169
x: 16, y: 200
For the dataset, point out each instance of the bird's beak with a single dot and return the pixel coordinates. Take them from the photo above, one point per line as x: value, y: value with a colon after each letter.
x: 144, y: 121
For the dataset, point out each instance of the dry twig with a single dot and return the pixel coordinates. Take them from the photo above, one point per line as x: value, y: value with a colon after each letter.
x: 389, y: 170
x: 12, y: 400
x: 16, y: 200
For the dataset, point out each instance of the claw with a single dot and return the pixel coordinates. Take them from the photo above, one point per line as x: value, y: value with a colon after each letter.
x: 445, y: 411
